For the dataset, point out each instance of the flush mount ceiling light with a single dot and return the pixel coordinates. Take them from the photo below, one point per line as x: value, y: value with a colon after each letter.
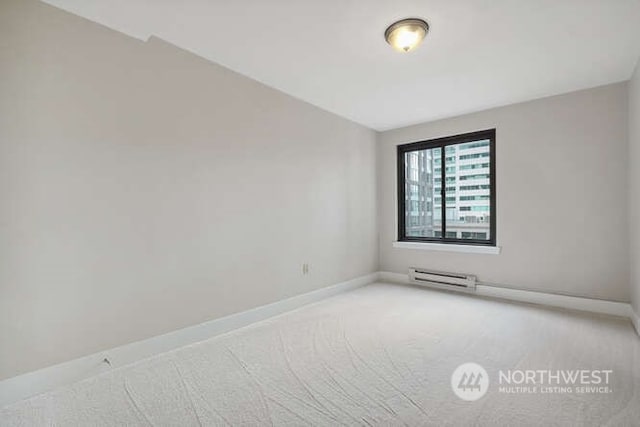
x: 407, y: 34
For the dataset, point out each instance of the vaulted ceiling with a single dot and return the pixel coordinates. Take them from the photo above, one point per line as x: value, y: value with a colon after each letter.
x: 331, y: 53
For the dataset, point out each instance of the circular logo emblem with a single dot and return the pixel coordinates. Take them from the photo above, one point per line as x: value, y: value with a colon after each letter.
x: 470, y: 381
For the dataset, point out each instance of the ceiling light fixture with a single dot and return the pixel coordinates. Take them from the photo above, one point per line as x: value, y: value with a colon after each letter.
x: 407, y: 34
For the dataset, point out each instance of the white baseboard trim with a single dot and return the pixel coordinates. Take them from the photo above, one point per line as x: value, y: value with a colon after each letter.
x: 42, y: 380
x: 564, y: 301
x: 635, y: 319
x: 599, y: 306
x: 388, y: 276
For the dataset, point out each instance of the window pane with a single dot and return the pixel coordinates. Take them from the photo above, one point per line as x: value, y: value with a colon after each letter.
x: 469, y: 195
x: 423, y: 215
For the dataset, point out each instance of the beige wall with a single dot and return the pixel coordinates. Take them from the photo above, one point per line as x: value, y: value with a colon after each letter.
x: 634, y: 186
x: 561, y: 195
x: 144, y: 189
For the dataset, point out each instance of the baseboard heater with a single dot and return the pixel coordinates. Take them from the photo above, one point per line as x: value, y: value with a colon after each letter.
x: 442, y: 279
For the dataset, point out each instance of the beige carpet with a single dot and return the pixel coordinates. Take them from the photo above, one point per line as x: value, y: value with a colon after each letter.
x: 380, y: 355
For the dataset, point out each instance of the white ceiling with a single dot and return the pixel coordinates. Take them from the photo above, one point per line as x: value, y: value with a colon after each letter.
x: 331, y: 53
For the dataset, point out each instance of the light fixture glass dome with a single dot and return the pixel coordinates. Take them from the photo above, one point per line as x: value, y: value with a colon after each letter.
x: 406, y: 34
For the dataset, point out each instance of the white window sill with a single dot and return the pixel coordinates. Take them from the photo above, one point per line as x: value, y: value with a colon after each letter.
x: 445, y: 247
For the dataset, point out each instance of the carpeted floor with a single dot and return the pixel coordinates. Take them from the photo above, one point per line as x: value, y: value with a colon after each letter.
x: 380, y: 355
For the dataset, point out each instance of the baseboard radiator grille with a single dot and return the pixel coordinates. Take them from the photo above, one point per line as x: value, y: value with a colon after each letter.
x: 442, y: 279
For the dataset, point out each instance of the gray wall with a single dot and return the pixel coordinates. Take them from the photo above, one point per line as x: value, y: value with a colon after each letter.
x: 634, y: 186
x: 561, y: 195
x: 144, y: 189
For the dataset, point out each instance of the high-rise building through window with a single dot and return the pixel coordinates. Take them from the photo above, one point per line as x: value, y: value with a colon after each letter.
x: 446, y: 189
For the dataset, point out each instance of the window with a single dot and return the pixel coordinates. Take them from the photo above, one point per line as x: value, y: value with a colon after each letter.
x: 451, y: 234
x: 468, y: 216
x: 474, y: 156
x: 474, y: 208
x: 482, y: 176
x: 467, y: 198
x: 474, y: 166
x: 473, y: 235
x: 474, y: 187
x: 450, y: 170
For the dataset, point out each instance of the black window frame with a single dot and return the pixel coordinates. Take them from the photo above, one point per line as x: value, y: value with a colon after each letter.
x: 442, y: 143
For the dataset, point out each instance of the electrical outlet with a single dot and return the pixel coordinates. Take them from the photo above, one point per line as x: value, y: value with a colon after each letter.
x: 305, y: 268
